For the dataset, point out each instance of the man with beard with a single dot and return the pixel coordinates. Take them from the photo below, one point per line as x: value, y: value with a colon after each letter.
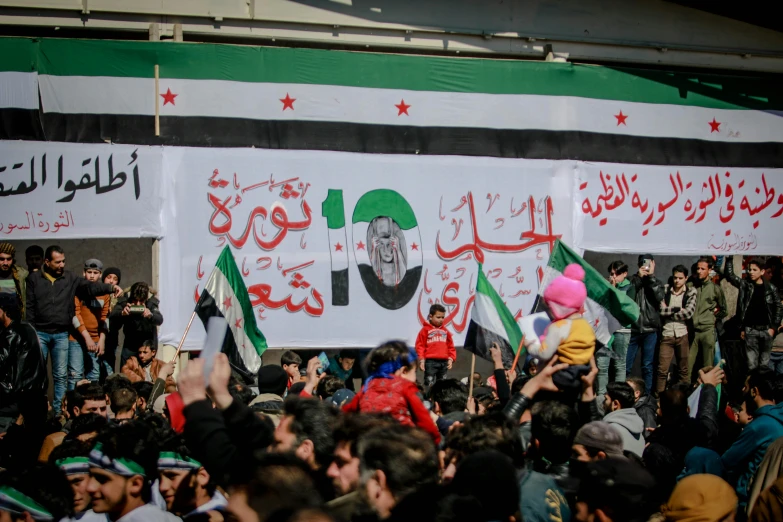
x: 50, y: 310
x: 12, y: 277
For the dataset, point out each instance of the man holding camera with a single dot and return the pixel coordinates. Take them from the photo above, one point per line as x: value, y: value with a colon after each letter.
x: 137, y: 314
x: 648, y: 293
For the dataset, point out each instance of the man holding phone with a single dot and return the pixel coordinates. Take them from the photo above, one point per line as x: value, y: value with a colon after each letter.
x: 137, y: 314
x: 648, y: 293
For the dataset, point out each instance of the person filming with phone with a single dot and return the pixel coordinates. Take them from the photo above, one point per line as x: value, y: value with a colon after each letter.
x: 138, y: 316
x: 648, y: 293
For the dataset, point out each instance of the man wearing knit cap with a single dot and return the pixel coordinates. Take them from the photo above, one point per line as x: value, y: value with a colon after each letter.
x: 701, y: 498
x: 272, y: 383
x: 90, y: 323
x: 12, y: 277
x: 597, y: 440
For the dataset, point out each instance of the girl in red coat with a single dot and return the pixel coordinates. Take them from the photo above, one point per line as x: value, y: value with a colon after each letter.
x: 391, y: 388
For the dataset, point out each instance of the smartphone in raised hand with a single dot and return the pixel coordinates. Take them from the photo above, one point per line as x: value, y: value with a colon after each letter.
x: 324, y: 362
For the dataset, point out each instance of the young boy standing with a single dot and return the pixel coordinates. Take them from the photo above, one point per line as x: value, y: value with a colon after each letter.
x: 290, y: 362
x: 435, y: 347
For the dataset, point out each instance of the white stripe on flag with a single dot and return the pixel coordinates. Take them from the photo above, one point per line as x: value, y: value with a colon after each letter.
x: 334, y: 103
x: 221, y: 291
x: 486, y: 316
x: 19, y: 90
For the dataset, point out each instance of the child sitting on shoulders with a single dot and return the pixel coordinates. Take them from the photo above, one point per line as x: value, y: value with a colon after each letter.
x: 391, y: 388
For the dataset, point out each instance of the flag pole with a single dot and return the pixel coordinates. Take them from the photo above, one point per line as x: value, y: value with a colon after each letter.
x: 519, y: 352
x: 472, y: 371
x: 157, y: 112
x: 182, y: 341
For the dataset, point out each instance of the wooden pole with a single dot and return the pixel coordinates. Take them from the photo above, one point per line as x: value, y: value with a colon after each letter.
x: 157, y: 111
x: 182, y: 341
x: 472, y: 371
x: 519, y: 352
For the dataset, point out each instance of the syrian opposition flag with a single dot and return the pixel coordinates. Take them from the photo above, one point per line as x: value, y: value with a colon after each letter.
x: 387, y: 247
x: 606, y: 308
x: 492, y: 322
x: 225, y: 295
x: 333, y: 209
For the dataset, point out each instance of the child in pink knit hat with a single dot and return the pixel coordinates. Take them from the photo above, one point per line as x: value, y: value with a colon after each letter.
x: 569, y: 335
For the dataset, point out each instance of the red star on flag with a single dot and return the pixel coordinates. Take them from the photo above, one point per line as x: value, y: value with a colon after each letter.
x: 168, y: 97
x: 714, y: 125
x: 621, y: 118
x: 227, y: 302
x: 288, y: 102
x: 518, y: 315
x: 338, y: 247
x: 414, y: 246
x: 238, y: 323
x: 360, y: 245
x: 402, y: 108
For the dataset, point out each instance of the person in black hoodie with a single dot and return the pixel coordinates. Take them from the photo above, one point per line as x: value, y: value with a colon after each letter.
x: 137, y: 313
x: 646, y: 406
x: 680, y: 432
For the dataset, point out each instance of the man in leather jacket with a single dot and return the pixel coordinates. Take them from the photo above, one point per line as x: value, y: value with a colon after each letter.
x: 759, y: 311
x: 23, y: 380
x: 648, y: 292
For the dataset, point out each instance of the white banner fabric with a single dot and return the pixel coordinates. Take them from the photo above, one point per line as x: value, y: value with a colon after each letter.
x: 678, y: 210
x: 349, y: 250
x: 73, y: 191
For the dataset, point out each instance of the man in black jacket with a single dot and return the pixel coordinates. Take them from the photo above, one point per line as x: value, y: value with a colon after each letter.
x: 50, y: 310
x: 759, y: 311
x: 137, y: 313
x: 648, y: 293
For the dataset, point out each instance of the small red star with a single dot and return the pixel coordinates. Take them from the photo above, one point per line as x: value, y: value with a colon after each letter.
x: 360, y: 245
x: 338, y: 247
x: 414, y: 246
x: 714, y: 125
x: 238, y: 323
x: 518, y: 315
x: 402, y: 108
x: 621, y: 118
x: 227, y: 302
x: 288, y: 102
x: 168, y: 97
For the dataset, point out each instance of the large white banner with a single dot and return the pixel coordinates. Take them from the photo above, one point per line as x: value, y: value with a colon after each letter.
x: 350, y: 250
x: 61, y: 190
x: 678, y: 210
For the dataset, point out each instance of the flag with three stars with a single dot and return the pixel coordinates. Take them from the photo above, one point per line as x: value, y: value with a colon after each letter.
x: 225, y: 295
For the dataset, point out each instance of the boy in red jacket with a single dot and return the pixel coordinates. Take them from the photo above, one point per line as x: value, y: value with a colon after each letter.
x: 435, y: 347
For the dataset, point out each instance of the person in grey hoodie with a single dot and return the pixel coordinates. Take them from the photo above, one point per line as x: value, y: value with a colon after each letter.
x: 619, y: 403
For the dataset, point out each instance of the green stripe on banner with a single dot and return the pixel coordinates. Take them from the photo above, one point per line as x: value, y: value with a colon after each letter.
x: 384, y: 202
x: 18, y: 54
x: 333, y: 209
x: 69, y: 57
x: 513, y: 332
x: 228, y: 267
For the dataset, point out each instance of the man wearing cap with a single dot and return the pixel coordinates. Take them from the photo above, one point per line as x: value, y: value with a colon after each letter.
x: 90, y: 335
x: 648, y: 293
x: 123, y: 464
x: 272, y: 383
x: 186, y: 486
x: 12, y: 277
x: 50, y: 310
x: 597, y: 440
x: 614, y: 490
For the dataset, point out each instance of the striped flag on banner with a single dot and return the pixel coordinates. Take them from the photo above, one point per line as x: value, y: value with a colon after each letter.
x: 225, y: 295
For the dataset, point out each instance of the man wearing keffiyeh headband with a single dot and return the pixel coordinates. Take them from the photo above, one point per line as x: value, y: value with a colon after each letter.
x: 185, y: 485
x: 122, y: 465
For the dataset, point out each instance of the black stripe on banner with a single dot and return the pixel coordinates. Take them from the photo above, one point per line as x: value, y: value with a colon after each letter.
x: 20, y: 124
x: 206, y: 308
x: 392, y: 139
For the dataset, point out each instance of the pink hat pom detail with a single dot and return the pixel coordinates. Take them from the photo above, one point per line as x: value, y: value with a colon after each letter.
x: 575, y: 272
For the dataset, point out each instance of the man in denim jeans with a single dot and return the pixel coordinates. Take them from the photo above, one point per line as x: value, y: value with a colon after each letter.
x: 90, y: 322
x: 618, y: 277
x: 50, y: 310
x: 648, y: 293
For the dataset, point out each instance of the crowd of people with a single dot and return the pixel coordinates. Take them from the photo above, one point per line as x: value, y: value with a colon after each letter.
x: 392, y: 436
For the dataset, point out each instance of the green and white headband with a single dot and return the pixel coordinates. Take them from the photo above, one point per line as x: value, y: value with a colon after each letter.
x: 173, y: 460
x: 74, y: 465
x: 118, y: 466
x: 17, y: 503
